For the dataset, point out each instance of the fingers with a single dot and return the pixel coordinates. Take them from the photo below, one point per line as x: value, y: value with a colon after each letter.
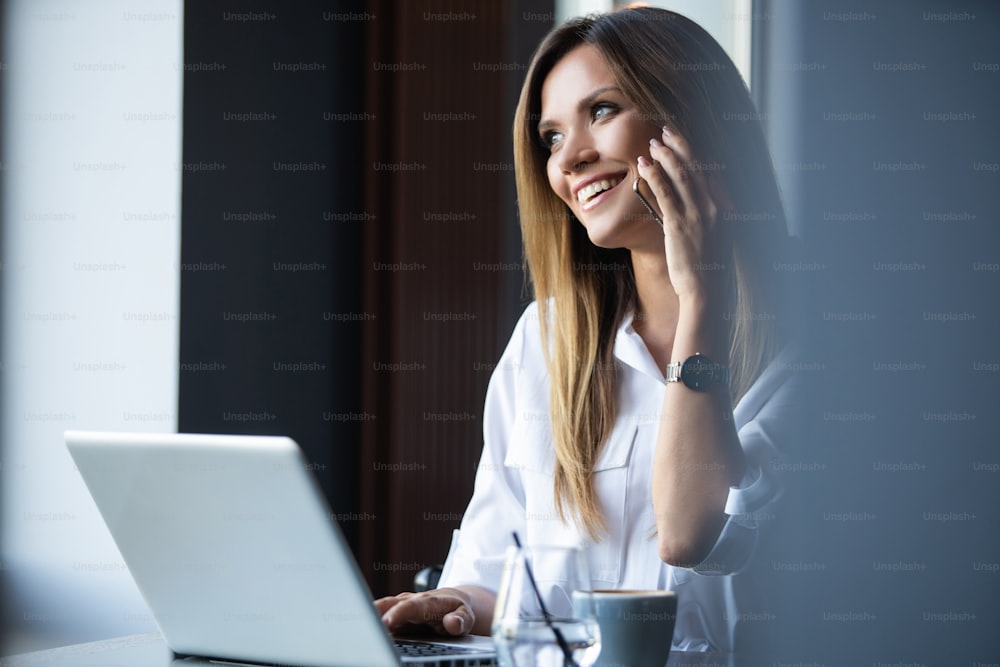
x: 442, y: 611
x: 676, y: 180
x: 383, y: 605
x: 458, y: 622
x: 688, y: 199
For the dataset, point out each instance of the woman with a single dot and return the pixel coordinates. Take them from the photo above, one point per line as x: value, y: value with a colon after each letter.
x: 621, y: 432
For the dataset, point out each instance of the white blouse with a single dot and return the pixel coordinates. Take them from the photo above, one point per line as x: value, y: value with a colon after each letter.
x: 514, y: 487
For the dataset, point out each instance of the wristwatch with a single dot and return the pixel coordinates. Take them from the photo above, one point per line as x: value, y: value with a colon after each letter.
x: 698, y: 372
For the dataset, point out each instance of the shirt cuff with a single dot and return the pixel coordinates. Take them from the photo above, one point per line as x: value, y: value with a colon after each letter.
x: 755, y: 490
x: 447, y: 568
x: 735, y: 546
x: 470, y: 569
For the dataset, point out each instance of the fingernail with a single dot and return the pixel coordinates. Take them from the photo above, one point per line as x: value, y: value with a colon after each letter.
x: 643, y: 162
x: 655, y: 142
x: 667, y: 132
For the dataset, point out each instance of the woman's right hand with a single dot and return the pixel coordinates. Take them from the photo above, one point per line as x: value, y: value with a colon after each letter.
x: 446, y: 611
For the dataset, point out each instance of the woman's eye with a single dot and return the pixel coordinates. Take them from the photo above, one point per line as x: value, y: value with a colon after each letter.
x: 550, y: 138
x: 602, y: 110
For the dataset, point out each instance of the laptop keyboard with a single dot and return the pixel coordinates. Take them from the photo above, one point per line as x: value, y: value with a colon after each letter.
x: 430, y: 654
x: 426, y: 649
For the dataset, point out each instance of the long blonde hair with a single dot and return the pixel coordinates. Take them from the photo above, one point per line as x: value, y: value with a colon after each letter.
x: 678, y: 75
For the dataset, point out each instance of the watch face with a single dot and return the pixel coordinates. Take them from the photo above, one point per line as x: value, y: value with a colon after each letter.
x: 698, y: 372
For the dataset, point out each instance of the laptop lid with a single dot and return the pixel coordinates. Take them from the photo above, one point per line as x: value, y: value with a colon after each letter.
x: 233, y: 547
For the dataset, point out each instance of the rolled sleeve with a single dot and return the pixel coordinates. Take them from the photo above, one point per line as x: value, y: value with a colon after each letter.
x: 765, y: 429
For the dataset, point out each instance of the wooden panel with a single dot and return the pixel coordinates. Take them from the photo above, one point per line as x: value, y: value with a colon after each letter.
x: 442, y: 266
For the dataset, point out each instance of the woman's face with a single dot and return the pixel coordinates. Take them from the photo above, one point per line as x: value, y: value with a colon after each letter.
x: 594, y: 135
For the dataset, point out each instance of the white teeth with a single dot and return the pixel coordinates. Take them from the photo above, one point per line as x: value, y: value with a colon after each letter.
x: 595, y: 188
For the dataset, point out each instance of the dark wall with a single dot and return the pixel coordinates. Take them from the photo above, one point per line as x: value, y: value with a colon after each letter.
x: 883, y: 121
x: 351, y: 257
x: 270, y: 239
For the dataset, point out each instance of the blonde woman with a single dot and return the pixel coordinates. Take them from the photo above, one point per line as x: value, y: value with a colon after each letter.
x: 638, y: 407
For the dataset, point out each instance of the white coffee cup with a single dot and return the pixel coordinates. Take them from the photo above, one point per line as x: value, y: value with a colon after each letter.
x: 636, y: 627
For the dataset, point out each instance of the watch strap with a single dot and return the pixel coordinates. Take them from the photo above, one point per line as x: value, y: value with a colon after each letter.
x: 674, y: 371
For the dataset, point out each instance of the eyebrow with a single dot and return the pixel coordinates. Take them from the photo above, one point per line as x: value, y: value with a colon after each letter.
x: 582, y: 105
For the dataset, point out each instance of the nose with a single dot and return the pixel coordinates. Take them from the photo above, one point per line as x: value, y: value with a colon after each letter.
x: 577, y: 152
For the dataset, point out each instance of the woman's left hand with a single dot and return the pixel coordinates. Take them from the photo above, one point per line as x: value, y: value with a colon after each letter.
x: 689, y: 201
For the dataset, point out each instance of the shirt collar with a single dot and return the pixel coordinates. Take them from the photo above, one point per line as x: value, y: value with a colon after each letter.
x: 631, y: 350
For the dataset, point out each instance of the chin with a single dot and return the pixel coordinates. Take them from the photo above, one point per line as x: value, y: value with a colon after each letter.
x: 600, y: 229
x: 601, y: 237
x: 604, y: 242
x: 619, y: 227
x: 609, y: 235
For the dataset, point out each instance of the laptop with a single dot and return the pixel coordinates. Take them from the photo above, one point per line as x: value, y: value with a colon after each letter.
x: 232, y: 545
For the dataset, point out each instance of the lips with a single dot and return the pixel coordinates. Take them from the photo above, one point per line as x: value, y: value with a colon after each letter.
x: 595, y: 187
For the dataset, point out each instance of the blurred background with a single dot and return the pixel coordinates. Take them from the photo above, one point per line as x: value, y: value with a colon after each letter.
x: 299, y: 218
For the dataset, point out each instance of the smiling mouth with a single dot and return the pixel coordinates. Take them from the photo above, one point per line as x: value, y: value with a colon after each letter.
x: 589, y: 192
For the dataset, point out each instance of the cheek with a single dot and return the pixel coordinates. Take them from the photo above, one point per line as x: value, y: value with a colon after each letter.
x: 557, y: 181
